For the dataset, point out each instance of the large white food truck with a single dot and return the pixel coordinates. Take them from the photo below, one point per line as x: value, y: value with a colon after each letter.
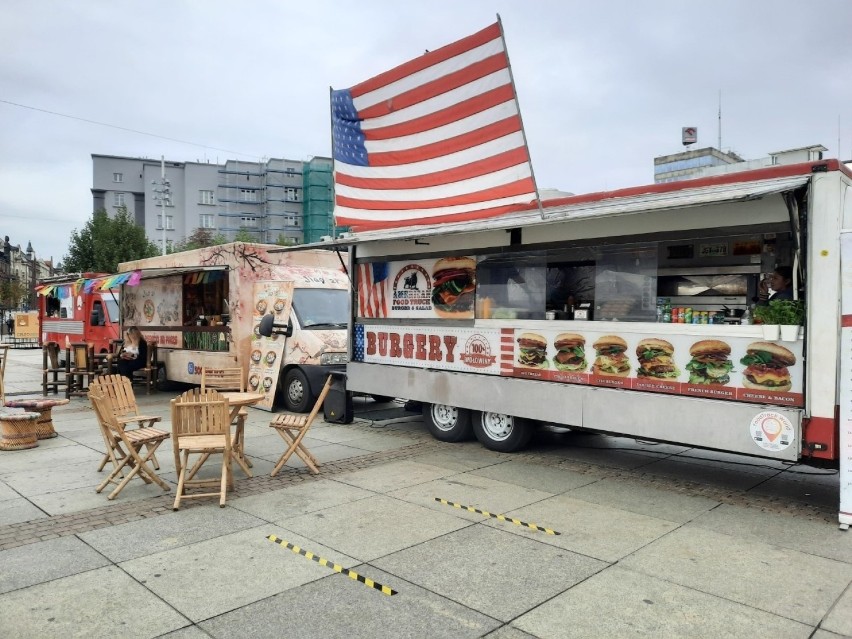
x: 554, y: 316
x: 203, y: 308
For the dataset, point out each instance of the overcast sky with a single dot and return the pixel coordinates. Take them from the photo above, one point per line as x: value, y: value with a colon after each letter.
x: 604, y: 87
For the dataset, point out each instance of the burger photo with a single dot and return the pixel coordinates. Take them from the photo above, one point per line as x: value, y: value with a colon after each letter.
x: 453, y: 287
x: 766, y: 367
x: 611, y: 358
x: 532, y: 350
x: 710, y: 363
x: 655, y: 359
x: 570, y: 353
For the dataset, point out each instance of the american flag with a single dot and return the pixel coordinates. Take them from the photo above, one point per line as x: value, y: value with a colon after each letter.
x: 436, y: 139
x: 372, y: 294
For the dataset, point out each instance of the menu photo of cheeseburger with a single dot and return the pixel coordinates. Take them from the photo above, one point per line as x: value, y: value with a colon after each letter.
x: 611, y: 359
x: 570, y: 353
x: 532, y: 350
x: 453, y: 287
x: 655, y: 359
x: 766, y: 367
x: 710, y: 363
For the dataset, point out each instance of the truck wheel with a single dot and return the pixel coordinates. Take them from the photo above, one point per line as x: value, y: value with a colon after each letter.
x: 503, y: 433
x: 447, y: 423
x: 163, y: 384
x: 297, y: 392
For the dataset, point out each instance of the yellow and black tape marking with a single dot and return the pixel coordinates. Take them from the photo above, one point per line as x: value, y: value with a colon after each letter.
x: 500, y: 517
x: 335, y: 567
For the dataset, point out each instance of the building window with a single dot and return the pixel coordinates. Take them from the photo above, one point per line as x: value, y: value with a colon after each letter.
x: 291, y: 194
x: 118, y: 177
x: 290, y: 172
x: 119, y: 199
x: 248, y: 195
x: 248, y: 222
x: 206, y: 221
x: 170, y: 224
x: 205, y: 197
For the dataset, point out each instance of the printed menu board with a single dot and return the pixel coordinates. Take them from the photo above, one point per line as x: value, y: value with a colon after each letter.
x: 265, y: 353
x: 733, y: 368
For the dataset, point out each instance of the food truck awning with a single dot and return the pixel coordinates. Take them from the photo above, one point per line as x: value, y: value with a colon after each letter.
x: 601, y: 205
x: 149, y: 273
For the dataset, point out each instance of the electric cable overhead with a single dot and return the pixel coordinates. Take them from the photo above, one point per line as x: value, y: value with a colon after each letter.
x: 123, y: 128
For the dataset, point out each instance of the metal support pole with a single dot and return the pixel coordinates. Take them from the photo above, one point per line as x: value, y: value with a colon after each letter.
x: 163, y: 197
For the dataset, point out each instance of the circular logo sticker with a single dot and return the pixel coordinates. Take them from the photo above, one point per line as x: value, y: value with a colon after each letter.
x: 772, y: 431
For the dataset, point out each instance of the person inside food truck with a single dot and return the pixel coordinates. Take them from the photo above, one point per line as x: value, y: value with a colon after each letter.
x: 781, y: 282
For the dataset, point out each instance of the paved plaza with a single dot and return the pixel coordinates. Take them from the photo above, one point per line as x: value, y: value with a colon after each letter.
x: 596, y: 537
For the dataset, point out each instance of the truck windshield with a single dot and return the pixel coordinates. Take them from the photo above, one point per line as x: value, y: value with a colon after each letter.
x: 112, y: 309
x: 321, y: 308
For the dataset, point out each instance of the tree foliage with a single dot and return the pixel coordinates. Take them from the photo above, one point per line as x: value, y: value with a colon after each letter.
x: 106, y: 241
x: 199, y: 238
x: 244, y: 236
x: 12, y: 293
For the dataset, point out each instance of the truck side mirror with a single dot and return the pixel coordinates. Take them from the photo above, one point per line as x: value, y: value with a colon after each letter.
x: 268, y: 327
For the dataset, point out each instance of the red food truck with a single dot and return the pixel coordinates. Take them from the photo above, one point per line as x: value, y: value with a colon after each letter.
x: 74, y: 308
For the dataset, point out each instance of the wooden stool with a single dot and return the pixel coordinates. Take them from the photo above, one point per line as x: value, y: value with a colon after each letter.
x: 44, y: 423
x: 17, y: 430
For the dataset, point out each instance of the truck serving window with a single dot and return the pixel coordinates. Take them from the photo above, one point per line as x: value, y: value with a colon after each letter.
x: 321, y: 308
x: 112, y: 310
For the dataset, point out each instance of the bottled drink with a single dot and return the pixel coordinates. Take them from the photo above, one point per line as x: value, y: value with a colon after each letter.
x: 667, y: 312
x: 746, y: 318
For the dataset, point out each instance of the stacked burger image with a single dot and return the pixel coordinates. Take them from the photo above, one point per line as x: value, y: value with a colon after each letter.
x: 655, y: 359
x: 710, y: 364
x: 611, y: 359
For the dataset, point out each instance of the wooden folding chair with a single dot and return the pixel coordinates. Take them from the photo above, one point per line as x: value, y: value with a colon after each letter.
x: 229, y: 379
x: 52, y: 373
x: 293, y: 429
x: 201, y: 424
x: 132, y: 442
x: 123, y: 403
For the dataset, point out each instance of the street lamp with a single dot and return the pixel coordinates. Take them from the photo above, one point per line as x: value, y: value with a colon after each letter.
x: 163, y: 196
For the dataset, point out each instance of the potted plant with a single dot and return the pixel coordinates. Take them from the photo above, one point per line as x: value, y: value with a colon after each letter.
x: 781, y: 316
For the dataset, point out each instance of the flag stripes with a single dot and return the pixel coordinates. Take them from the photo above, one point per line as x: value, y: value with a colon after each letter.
x: 438, y: 138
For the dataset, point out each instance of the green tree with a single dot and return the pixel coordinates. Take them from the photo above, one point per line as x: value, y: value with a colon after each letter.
x: 283, y: 240
x: 199, y: 238
x: 105, y: 242
x: 244, y: 236
x: 11, y: 293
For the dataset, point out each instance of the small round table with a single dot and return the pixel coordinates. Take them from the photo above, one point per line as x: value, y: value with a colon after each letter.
x: 44, y: 423
x: 17, y: 430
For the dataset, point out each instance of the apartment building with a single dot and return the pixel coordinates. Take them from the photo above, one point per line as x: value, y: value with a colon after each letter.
x: 270, y: 200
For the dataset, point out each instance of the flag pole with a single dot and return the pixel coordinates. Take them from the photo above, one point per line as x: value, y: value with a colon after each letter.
x: 520, y: 117
x: 331, y: 131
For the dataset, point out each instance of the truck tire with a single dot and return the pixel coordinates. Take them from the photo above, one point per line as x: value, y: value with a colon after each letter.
x: 296, y: 392
x: 163, y: 383
x: 448, y: 423
x: 503, y: 433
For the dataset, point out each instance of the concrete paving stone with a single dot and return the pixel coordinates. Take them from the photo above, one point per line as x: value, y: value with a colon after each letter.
x: 87, y: 605
x: 605, y: 457
x: 750, y: 572
x: 393, y: 475
x: 24, y: 460
x: 839, y: 619
x: 189, y: 632
x: 491, y: 571
x: 595, y: 530
x: 219, y: 575
x: 7, y: 492
x: 825, y: 634
x: 330, y: 453
x: 375, y: 526
x: 337, y: 434
x: 730, y: 461
x: 41, y: 480
x: 140, y: 538
x: 472, y: 490
x: 622, y: 603
x: 454, y: 461
x: 307, y: 497
x: 47, y: 560
x: 14, y: 511
x: 379, y: 442
x: 737, y: 479
x: 536, y: 476
x: 817, y: 491
x: 808, y: 535
x: 645, y: 500
x: 508, y: 632
x: 337, y: 606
